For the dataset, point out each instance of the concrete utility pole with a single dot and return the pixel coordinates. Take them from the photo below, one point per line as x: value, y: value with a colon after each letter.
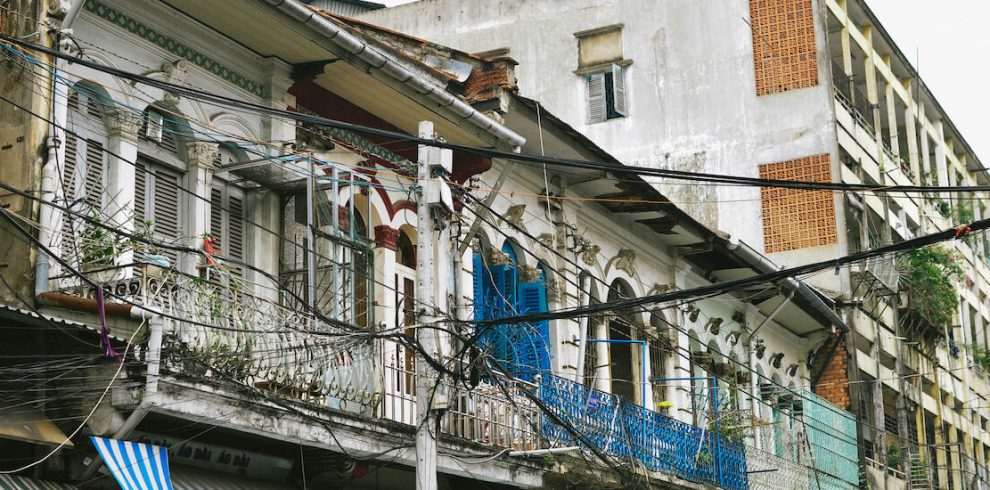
x: 433, y: 250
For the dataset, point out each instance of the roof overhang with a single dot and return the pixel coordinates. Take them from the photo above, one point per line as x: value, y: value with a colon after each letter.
x: 382, y: 85
x: 804, y: 314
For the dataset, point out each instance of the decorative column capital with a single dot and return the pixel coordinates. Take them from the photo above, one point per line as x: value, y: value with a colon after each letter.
x: 202, y: 154
x: 123, y: 125
x: 386, y: 237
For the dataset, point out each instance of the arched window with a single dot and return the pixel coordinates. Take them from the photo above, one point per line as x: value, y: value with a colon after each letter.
x: 623, y: 373
x: 501, y: 290
x: 659, y: 346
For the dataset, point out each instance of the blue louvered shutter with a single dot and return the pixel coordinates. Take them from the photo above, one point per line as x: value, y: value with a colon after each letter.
x: 480, y: 311
x: 504, y: 291
x: 532, y: 345
x: 532, y: 297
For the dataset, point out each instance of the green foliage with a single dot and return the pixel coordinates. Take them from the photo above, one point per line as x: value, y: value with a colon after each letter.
x: 944, y: 209
x: 964, y: 211
x: 930, y: 284
x: 893, y: 456
x: 981, y: 357
x: 100, y: 245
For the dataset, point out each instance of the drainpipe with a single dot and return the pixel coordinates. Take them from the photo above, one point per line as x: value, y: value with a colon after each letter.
x: 764, y: 264
x: 751, y: 355
x: 72, y: 13
x: 50, y: 218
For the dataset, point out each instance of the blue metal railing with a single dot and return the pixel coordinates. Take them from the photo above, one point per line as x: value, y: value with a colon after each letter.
x: 630, y: 432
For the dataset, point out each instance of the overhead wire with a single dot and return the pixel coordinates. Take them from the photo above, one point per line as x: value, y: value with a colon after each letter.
x: 492, y: 153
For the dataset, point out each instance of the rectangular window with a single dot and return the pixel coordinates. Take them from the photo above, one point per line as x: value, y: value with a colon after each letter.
x: 227, y: 223
x: 606, y: 94
x: 601, y: 63
x: 158, y: 205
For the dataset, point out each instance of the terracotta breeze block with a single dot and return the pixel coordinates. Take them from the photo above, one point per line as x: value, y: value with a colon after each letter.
x: 796, y: 218
x: 784, y: 54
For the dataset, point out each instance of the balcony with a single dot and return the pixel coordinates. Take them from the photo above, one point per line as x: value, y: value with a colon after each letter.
x: 647, y: 439
x: 225, y: 333
x: 216, y: 332
x: 879, y: 272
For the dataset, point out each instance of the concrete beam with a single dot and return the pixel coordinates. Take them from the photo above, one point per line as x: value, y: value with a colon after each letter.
x: 384, y: 440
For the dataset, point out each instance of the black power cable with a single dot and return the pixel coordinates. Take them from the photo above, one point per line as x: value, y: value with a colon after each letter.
x: 487, y: 152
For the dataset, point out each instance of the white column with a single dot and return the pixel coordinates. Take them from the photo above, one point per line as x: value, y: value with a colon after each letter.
x: 261, y: 247
x: 196, y: 210
x: 279, y: 79
x: 940, y: 163
x: 119, y: 191
x: 384, y: 295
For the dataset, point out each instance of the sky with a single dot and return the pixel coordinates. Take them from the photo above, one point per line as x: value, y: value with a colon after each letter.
x: 950, y: 39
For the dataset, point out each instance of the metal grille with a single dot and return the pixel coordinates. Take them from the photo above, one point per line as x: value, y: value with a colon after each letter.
x: 797, y: 218
x: 647, y: 438
x: 784, y: 52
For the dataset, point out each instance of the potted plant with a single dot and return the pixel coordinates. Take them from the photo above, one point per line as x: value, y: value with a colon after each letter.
x: 99, y: 247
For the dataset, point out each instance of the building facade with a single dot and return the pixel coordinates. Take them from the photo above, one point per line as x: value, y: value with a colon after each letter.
x: 798, y: 90
x: 199, y: 260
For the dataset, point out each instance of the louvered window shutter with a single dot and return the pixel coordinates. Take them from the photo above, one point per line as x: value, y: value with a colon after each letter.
x: 70, y: 223
x: 618, y: 90
x: 216, y: 213
x: 480, y: 312
x: 503, y: 292
x: 235, y: 231
x: 596, y: 97
x: 166, y: 211
x: 69, y: 168
x: 140, y: 192
x: 532, y: 297
x: 533, y: 345
x: 95, y: 163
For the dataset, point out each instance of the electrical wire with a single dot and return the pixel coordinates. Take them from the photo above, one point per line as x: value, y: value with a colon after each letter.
x: 571, y: 163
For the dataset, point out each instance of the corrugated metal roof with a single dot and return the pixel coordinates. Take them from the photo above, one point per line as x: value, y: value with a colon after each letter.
x: 345, y: 7
x: 30, y: 317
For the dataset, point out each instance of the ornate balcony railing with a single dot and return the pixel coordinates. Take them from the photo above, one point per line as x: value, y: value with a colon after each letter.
x: 215, y: 329
x: 770, y: 472
x: 650, y: 439
x: 495, y: 413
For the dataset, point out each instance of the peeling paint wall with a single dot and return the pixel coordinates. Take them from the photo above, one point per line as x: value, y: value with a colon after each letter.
x: 690, y: 88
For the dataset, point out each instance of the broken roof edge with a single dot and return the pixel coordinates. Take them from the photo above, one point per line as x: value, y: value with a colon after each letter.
x: 391, y: 68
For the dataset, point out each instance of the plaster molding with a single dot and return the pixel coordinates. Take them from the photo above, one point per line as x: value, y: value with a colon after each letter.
x: 202, y: 154
x: 173, y: 46
x: 625, y: 261
x: 514, y: 214
x: 386, y: 237
x: 123, y: 124
x: 590, y: 255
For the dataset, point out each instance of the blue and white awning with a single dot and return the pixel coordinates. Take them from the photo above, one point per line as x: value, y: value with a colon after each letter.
x: 135, y: 466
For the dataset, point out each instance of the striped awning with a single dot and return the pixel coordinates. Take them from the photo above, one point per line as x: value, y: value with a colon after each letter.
x: 135, y: 466
x: 189, y: 478
x: 13, y: 482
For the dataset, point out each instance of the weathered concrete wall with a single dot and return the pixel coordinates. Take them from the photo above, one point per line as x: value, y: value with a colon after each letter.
x: 21, y: 149
x: 691, y: 89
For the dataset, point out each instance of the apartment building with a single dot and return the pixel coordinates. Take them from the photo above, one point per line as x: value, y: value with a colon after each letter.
x: 209, y: 275
x: 811, y: 90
